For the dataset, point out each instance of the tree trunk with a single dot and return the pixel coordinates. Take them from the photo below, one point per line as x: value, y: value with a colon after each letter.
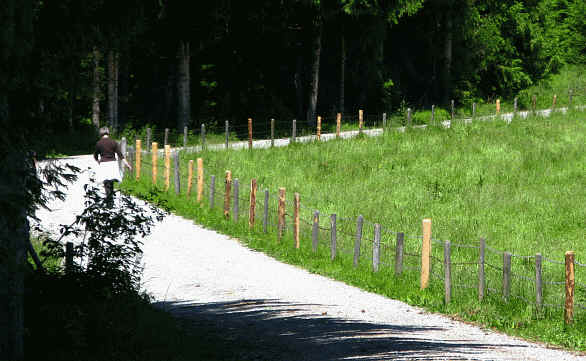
x: 13, y: 237
x: 97, y: 90
x: 447, y: 83
x: 122, y: 92
x: 113, y: 90
x: 311, y: 109
x: 183, y: 94
x: 298, y: 81
x: 342, y: 72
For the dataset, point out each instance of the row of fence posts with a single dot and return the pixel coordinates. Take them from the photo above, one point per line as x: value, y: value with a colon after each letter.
x: 409, y: 123
x: 232, y: 187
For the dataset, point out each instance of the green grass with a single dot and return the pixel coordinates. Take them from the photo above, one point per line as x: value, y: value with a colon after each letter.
x: 521, y: 186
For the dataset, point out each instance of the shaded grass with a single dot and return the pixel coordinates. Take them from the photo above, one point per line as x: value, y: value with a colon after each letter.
x: 519, y: 185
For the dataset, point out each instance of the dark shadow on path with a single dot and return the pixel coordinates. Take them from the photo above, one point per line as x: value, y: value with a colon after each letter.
x: 264, y: 329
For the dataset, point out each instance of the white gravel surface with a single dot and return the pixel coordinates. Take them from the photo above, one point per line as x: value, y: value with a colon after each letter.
x: 286, y: 312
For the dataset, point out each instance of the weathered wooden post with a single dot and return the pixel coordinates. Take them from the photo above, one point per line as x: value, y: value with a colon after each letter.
x: 166, y: 137
x: 212, y: 190
x: 203, y: 136
x: 358, y: 239
x: 281, y: 213
x: 228, y: 189
x: 399, y: 253
x: 177, y: 173
x: 376, y: 248
x: 453, y: 110
x: 569, y: 304
x: 515, y: 109
x: 498, y: 107
x: 265, y: 219
x: 384, y: 121
x: 338, y: 124
x: 296, y: 205
x: 250, y: 133
x: 333, y: 236
x: 138, y: 155
x: 315, y: 231
x: 318, y: 127
x: 538, y: 282
x: 272, y: 132
x: 409, y: 120
x: 433, y: 114
x: 123, y: 151
x: 251, y: 211
x: 481, y: 276
x: 155, y: 161
x: 199, y: 179
x: 473, y: 111
x: 185, y: 136
x: 506, y: 275
x: 167, y: 166
x: 227, y: 133
x: 425, y: 253
x: 294, y: 131
x: 534, y: 103
x: 236, y: 211
x: 189, y: 177
x: 447, y: 272
x: 360, y: 120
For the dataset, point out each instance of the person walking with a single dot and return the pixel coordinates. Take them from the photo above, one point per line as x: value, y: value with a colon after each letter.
x: 108, y: 170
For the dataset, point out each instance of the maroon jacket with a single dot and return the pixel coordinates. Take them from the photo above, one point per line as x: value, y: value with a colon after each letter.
x: 106, y: 148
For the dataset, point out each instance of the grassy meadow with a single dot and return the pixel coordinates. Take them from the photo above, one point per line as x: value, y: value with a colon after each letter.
x: 519, y: 185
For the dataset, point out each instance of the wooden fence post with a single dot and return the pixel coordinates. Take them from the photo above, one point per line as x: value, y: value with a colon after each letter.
x: 148, y: 139
x: 333, y: 237
x: 515, y: 107
x: 538, y: 282
x: 506, y: 275
x: 359, y: 223
x: 185, y: 136
x: 138, y: 155
x: 212, y: 190
x: 177, y: 174
x: 399, y: 253
x: 265, y: 219
x: 447, y: 272
x: 155, y: 161
x: 68, y: 257
x: 281, y: 213
x: 555, y: 97
x: 376, y: 248
x: 481, y: 276
x: 473, y: 110
x: 338, y: 124
x: 272, y: 132
x: 249, y: 133
x: 409, y: 120
x: 384, y: 121
x: 315, y: 231
x: 569, y: 305
x: 199, y: 179
x: 167, y: 166
x: 203, y: 136
x: 251, y: 211
x: 453, y: 110
x: 318, y: 127
x: 227, y: 133
x: 166, y: 137
x: 498, y: 106
x: 236, y: 200
x: 360, y: 120
x: 123, y: 151
x: 190, y: 177
x: 294, y: 131
x: 425, y: 253
x: 296, y: 206
x: 534, y: 103
x: 433, y: 114
x: 228, y: 187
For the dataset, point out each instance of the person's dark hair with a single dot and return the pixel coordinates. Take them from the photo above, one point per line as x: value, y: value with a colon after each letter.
x: 104, y: 131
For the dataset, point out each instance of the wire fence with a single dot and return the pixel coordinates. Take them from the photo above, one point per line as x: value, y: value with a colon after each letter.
x: 474, y: 269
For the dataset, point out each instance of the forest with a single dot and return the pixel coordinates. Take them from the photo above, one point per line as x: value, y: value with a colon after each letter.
x: 71, y: 64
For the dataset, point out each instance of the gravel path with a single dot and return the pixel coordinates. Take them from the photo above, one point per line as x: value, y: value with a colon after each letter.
x: 287, y: 313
